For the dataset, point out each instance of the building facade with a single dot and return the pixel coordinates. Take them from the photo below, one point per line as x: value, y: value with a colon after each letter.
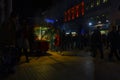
x: 74, y: 16
x: 102, y: 13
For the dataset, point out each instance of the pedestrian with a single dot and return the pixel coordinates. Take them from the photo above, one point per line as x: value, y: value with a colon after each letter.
x: 23, y: 42
x: 118, y: 39
x: 96, y: 41
x: 57, y: 41
x: 113, y: 42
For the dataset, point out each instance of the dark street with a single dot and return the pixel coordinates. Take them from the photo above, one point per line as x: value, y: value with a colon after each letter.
x: 59, y: 39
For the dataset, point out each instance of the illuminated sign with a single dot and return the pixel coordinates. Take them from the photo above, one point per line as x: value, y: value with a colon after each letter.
x: 74, y: 12
x: 49, y: 20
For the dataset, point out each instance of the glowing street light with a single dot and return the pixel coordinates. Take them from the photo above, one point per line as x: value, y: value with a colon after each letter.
x: 99, y: 22
x: 107, y: 20
x: 90, y: 24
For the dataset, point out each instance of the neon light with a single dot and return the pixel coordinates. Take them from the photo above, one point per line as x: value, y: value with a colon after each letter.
x: 68, y: 12
x: 49, y: 20
x: 82, y: 8
x: 77, y: 11
x: 72, y: 11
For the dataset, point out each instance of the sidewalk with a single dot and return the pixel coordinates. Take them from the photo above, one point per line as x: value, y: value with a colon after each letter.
x: 54, y: 67
x: 57, y: 67
x: 81, y: 53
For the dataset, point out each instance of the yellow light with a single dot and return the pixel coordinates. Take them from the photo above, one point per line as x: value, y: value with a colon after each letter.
x: 28, y: 50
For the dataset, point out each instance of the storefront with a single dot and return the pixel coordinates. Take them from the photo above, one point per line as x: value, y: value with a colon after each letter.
x: 41, y: 38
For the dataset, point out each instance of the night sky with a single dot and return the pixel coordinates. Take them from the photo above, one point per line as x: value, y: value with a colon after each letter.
x: 29, y: 7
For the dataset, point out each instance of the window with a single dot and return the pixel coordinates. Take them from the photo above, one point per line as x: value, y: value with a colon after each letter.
x: 104, y: 1
x: 92, y: 5
x: 98, y: 2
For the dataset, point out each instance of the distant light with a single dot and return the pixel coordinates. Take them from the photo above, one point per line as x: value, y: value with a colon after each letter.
x: 99, y: 22
x: 67, y: 33
x: 49, y: 20
x: 90, y: 24
x: 103, y: 15
x: 102, y: 32
x: 73, y: 33
x: 56, y: 20
x: 107, y: 20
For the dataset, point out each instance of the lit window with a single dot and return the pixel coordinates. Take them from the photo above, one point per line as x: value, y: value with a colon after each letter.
x: 104, y: 1
x: 82, y: 8
x: 107, y: 20
x: 92, y: 5
x: 77, y: 10
x: 99, y: 22
x: 72, y: 13
x: 103, y: 15
x: 98, y: 2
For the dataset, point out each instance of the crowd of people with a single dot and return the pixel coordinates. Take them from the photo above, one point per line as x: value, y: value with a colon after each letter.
x: 110, y: 41
x: 97, y: 42
x: 65, y: 42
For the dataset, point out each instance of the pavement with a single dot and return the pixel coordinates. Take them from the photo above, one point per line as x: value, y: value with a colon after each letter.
x: 68, y: 65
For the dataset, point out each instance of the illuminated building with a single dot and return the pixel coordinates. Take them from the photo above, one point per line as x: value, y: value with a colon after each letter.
x: 94, y: 13
x: 73, y: 16
x: 74, y: 12
x: 102, y: 12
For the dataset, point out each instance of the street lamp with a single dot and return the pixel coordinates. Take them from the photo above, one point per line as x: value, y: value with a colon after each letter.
x: 99, y: 22
x: 107, y: 20
x: 90, y: 24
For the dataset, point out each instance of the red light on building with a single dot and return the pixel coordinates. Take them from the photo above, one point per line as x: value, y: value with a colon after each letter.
x: 73, y: 12
x: 83, y: 11
x: 68, y: 14
x: 65, y: 16
x: 77, y: 10
x: 82, y: 8
x: 82, y: 3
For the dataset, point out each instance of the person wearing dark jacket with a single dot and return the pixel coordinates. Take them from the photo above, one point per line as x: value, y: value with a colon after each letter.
x: 118, y: 39
x: 113, y: 41
x: 96, y: 41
